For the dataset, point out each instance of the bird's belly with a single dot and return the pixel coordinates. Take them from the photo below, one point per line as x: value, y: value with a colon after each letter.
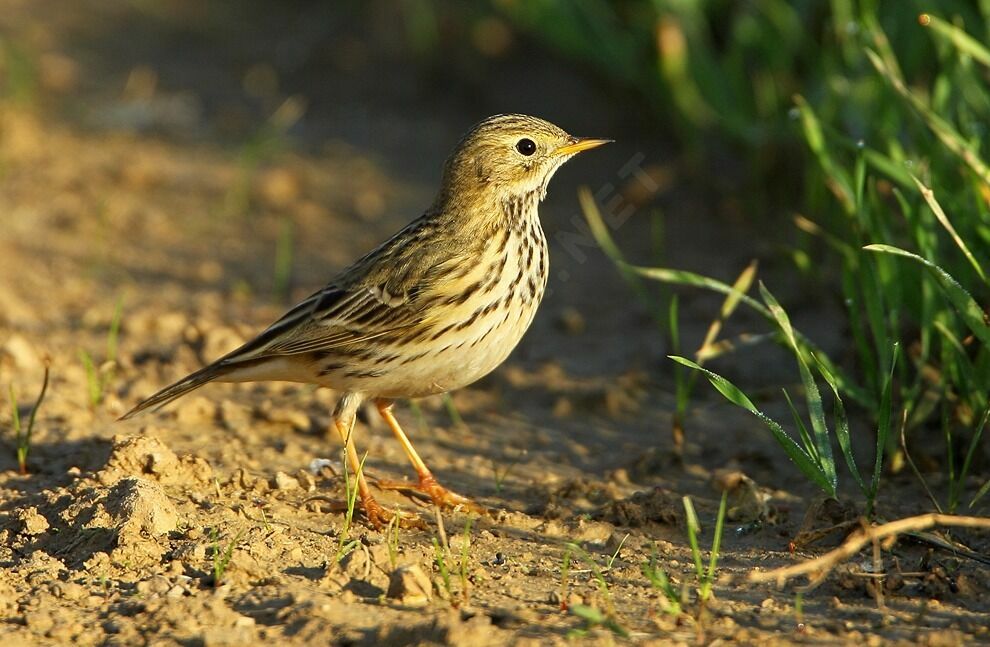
x: 459, y: 360
x: 489, y: 314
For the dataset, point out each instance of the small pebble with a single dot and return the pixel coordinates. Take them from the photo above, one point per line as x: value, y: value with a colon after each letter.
x: 306, y: 480
x: 410, y: 586
x: 285, y: 482
x: 32, y: 523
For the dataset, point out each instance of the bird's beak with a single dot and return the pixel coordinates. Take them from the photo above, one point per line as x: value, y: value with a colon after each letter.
x: 579, y: 144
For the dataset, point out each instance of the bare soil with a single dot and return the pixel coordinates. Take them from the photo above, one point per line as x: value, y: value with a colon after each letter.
x: 134, y: 177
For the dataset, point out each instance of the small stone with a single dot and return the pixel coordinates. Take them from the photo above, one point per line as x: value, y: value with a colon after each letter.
x: 285, y: 482
x: 32, y: 523
x: 410, y: 586
x: 317, y: 465
x: 306, y: 480
x: 69, y: 591
x: 154, y: 586
x: 381, y: 556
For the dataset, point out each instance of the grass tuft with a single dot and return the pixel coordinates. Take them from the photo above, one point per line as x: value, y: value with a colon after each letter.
x: 99, y: 377
x: 222, y: 556
x: 344, y: 544
x: 22, y: 436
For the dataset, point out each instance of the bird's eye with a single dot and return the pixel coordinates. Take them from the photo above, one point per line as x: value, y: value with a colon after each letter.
x: 526, y: 146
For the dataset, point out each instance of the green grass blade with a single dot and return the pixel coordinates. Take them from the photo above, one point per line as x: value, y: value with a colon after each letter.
x: 806, y: 440
x: 806, y: 463
x: 962, y: 41
x: 883, y: 429
x: 682, y: 277
x: 682, y: 386
x: 842, y: 428
x: 599, y: 231
x: 942, y: 129
x: 816, y: 412
x: 24, y: 442
x: 14, y: 411
x: 693, y: 528
x: 113, y: 335
x: 94, y: 386
x: 980, y: 494
x: 965, y: 305
x: 716, y: 546
x: 936, y: 208
x: 726, y: 346
x: 974, y: 443
x: 740, y: 287
x: 452, y: 412
x: 839, y: 182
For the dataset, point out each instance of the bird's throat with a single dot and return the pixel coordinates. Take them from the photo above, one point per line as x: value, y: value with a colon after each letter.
x: 519, y: 210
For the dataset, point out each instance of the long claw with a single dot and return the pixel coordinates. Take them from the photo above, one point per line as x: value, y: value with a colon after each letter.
x: 429, y: 488
x: 380, y: 518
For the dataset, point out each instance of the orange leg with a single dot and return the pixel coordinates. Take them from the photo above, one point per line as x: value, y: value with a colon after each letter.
x: 375, y: 513
x: 343, y: 421
x: 427, y: 482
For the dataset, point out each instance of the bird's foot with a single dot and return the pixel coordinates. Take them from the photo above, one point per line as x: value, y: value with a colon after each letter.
x: 429, y: 488
x: 373, y: 512
x: 381, y: 518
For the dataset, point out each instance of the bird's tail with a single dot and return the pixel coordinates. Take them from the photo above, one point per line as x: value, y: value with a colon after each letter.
x: 185, y: 385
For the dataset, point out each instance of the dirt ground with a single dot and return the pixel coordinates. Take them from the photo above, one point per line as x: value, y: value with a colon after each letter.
x: 147, y: 170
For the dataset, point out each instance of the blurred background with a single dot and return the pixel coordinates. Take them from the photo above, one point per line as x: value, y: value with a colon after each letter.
x: 248, y: 149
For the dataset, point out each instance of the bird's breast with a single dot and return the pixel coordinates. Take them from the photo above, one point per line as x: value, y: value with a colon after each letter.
x: 476, y: 317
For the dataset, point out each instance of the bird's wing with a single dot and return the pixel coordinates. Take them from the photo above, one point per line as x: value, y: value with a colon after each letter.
x: 363, y: 304
x: 333, y: 317
x: 386, y: 291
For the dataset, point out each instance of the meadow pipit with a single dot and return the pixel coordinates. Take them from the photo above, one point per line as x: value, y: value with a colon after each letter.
x: 434, y: 308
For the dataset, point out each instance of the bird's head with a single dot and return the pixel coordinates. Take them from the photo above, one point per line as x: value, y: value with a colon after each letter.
x: 510, y: 155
